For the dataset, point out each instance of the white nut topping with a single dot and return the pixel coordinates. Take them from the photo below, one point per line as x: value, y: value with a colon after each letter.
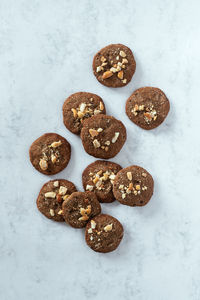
x: 122, y: 53
x: 89, y: 187
x: 123, y: 196
x: 108, y: 228
x: 90, y: 230
x: 144, y: 174
x: 51, y: 211
x: 93, y: 224
x: 53, y: 158
x: 99, y: 68
x: 96, y: 143
x: 62, y: 190
x: 82, y: 107
x: 114, y: 139
x: 50, y: 195
x: 107, y: 143
x: 43, y: 164
x: 129, y: 175
x: 60, y: 212
x: 56, y: 184
x: 124, y: 61
x: 91, y: 238
x: 101, y: 106
x: 56, y: 144
x: 99, y: 129
x: 112, y: 176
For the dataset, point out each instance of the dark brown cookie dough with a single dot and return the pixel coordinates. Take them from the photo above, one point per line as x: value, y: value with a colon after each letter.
x: 80, y: 106
x: 103, y: 233
x: 147, y: 107
x: 99, y: 177
x: 133, y: 186
x: 51, y: 197
x: 79, y: 208
x: 103, y: 136
x: 114, y: 65
x: 50, y: 153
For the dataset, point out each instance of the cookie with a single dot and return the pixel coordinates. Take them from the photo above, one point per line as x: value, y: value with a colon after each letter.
x: 103, y: 233
x: 147, y: 107
x: 50, y: 153
x: 133, y: 186
x: 51, y: 197
x: 103, y: 136
x: 79, y: 208
x: 99, y: 177
x: 114, y: 65
x: 80, y: 106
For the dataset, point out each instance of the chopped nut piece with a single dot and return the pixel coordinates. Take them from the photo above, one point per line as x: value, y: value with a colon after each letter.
x: 105, y: 176
x: 96, y: 112
x: 141, y: 107
x: 122, y: 53
x: 124, y: 80
x: 74, y: 112
x: 56, y: 183
x: 108, y: 228
x: 43, y: 164
x: 53, y: 158
x: 99, y: 68
x: 107, y: 74
x: 56, y: 144
x: 95, y: 180
x: 130, y: 187
x: 121, y: 186
x: 59, y: 198
x: 148, y: 116
x: 84, y: 211
x: 144, y: 188
x: 80, y: 114
x: 112, y: 176
x: 107, y: 143
x: 89, y: 187
x: 137, y: 187
x: 60, y: 212
x: 93, y: 132
x: 106, y: 148
x: 51, y: 211
x: 50, y: 195
x: 96, y: 143
x: 101, y: 106
x: 135, y: 192
x: 90, y: 230
x: 113, y: 70
x: 100, y: 172
x: 104, y: 64
x: 123, y: 196
x: 129, y: 175
x: 83, y: 218
x: 82, y: 107
x: 99, y: 129
x: 114, y: 139
x: 62, y: 190
x: 120, y: 75
x: 124, y: 61
x: 65, y: 197
x: 117, y: 58
x: 144, y: 174
x: 93, y: 224
x: 98, y: 184
x: 103, y: 59
x: 91, y: 238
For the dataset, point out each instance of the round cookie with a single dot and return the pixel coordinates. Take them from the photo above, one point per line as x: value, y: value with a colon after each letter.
x: 79, y: 208
x: 103, y: 136
x: 80, y: 106
x: 114, y: 65
x: 147, y: 107
x: 103, y: 233
x: 133, y: 186
x: 50, y: 153
x: 99, y: 177
x: 51, y: 197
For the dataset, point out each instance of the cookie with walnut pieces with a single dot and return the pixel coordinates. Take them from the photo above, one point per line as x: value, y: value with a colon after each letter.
x: 80, y: 106
x: 147, y: 107
x: 50, y: 153
x: 103, y: 233
x: 51, y: 197
x: 133, y: 186
x: 114, y: 65
x: 103, y: 136
x: 99, y: 177
x: 79, y: 208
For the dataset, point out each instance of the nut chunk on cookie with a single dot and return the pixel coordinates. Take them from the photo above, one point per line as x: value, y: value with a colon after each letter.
x: 103, y: 136
x: 103, y: 233
x: 133, y: 186
x: 51, y: 197
x: 147, y: 107
x: 99, y: 177
x: 114, y: 65
x: 79, y: 208
x: 80, y: 106
x: 50, y: 153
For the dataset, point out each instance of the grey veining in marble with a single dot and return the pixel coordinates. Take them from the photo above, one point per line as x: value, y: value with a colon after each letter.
x: 46, y: 51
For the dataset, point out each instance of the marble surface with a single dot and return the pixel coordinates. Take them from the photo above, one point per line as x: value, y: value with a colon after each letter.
x: 46, y: 51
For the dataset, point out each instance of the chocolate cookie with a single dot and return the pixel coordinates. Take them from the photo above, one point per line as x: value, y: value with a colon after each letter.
x: 114, y: 65
x: 50, y: 153
x: 79, y: 208
x: 103, y: 233
x: 133, y: 186
x: 51, y: 197
x: 99, y: 177
x: 80, y: 106
x: 147, y: 107
x: 103, y: 136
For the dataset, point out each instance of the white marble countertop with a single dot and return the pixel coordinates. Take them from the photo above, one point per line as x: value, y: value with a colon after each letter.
x: 46, y: 51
